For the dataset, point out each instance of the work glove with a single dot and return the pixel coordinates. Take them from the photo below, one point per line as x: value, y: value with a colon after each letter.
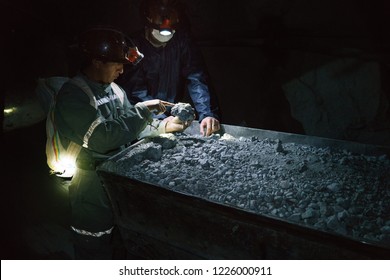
x: 174, y: 124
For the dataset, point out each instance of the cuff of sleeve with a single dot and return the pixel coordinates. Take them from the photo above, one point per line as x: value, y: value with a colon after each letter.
x: 201, y: 118
x: 153, y: 129
x: 161, y: 125
x: 143, y: 111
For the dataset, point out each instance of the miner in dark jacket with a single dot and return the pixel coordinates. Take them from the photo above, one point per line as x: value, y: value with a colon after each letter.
x: 172, y: 66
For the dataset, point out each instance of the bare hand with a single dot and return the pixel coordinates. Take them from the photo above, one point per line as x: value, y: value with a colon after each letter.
x: 157, y: 106
x: 209, y: 125
x: 174, y: 124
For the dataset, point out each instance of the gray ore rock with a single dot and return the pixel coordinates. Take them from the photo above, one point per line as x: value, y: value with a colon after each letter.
x: 183, y: 111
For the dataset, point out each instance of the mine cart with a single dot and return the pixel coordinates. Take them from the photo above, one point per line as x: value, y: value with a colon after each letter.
x: 161, y: 215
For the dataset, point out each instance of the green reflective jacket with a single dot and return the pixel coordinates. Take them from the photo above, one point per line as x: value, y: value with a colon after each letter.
x: 104, y: 130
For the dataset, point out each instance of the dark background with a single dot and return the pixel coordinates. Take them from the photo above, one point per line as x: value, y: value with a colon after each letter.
x: 253, y: 50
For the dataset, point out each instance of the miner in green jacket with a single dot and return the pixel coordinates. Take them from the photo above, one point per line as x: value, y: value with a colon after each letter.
x: 102, y: 127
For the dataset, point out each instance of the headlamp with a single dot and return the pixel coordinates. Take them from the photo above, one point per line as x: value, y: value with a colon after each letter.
x: 165, y: 27
x: 134, y: 55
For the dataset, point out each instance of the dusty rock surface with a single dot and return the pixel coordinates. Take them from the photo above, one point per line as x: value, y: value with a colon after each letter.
x: 183, y: 111
x: 330, y: 190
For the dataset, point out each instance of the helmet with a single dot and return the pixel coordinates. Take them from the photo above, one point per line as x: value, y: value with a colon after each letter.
x: 161, y: 15
x: 108, y: 45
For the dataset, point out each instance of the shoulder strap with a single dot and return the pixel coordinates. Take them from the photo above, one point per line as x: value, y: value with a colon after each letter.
x: 78, y: 81
x: 118, y: 91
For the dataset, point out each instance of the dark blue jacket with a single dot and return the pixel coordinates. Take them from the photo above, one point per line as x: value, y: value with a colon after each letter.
x: 168, y: 73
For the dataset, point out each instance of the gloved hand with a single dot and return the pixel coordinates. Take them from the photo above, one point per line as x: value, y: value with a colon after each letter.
x: 157, y: 106
x: 174, y: 124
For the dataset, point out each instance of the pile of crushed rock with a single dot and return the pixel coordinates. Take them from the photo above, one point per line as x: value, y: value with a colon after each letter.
x: 330, y: 190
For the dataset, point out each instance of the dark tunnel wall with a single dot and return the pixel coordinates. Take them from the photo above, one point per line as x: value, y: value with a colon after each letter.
x: 314, y: 67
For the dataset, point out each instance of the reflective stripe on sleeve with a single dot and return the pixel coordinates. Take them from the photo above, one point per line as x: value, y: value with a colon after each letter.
x: 94, y: 234
x: 87, y: 135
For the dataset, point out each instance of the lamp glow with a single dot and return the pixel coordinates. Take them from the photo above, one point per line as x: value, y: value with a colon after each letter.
x: 165, y: 32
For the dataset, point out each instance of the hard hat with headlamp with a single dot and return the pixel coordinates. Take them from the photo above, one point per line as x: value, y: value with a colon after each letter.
x: 109, y: 45
x: 162, y: 17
